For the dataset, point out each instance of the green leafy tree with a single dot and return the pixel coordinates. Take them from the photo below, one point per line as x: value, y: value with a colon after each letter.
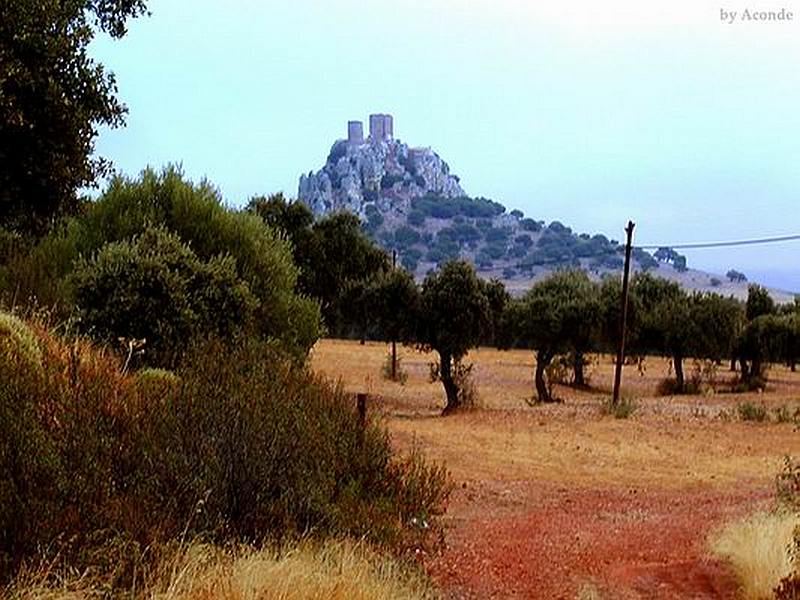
x: 337, y: 260
x: 665, y: 326
x: 736, y: 276
x: 197, y: 215
x: 454, y: 313
x: 394, y: 301
x: 764, y: 340
x: 678, y: 325
x: 556, y: 316
x: 341, y: 255
x: 498, y: 298
x: 759, y: 302
x: 53, y: 100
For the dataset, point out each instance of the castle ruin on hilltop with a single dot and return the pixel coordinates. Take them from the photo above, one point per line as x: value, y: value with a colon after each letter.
x: 381, y: 129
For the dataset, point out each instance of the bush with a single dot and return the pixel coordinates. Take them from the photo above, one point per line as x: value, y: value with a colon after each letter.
x: 156, y: 385
x: 410, y: 259
x: 405, y: 236
x: 749, y: 411
x: 623, y: 409
x: 416, y: 218
x: 154, y: 288
x: 197, y: 215
x: 97, y: 466
x: 670, y: 387
x: 194, y: 213
x: 18, y: 345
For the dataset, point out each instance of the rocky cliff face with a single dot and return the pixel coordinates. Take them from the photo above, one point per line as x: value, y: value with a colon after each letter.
x: 387, y: 173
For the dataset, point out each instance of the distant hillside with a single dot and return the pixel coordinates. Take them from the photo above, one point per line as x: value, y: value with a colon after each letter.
x: 411, y: 203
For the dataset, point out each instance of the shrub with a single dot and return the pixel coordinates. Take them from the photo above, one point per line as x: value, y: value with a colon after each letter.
x: 18, y: 346
x: 197, y: 215
x: 623, y: 409
x: 497, y: 234
x: 416, y: 218
x: 670, y: 387
x: 749, y: 411
x: 97, y: 466
x: 410, y: 259
x: 154, y: 288
x: 756, y: 547
x: 156, y: 385
x: 405, y: 236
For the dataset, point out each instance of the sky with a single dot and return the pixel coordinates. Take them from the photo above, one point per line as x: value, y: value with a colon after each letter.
x: 591, y: 112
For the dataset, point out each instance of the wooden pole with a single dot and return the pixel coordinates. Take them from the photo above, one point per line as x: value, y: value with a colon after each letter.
x: 623, y: 322
x: 394, y: 342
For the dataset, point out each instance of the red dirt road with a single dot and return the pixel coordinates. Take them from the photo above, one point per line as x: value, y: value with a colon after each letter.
x: 519, y: 540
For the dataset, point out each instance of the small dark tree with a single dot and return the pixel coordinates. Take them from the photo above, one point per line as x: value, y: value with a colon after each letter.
x: 763, y: 340
x: 498, y: 298
x: 339, y: 255
x: 394, y: 303
x: 759, y: 302
x: 454, y: 313
x: 736, y: 276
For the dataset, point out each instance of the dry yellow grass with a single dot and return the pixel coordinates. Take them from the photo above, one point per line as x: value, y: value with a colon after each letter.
x: 757, y: 548
x: 333, y: 571
x: 669, y: 441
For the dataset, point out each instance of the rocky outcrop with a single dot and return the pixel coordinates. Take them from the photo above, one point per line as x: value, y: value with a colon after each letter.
x: 385, y: 172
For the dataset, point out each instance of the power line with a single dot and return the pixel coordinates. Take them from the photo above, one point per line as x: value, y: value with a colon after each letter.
x: 769, y: 240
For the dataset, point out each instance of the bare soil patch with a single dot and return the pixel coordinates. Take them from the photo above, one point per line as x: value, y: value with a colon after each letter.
x: 561, y: 502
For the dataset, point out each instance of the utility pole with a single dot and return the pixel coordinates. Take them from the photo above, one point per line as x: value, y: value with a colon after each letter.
x: 394, y: 343
x: 623, y: 323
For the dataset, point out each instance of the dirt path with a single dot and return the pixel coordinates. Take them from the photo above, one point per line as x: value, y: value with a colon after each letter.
x: 563, y: 502
x: 518, y: 540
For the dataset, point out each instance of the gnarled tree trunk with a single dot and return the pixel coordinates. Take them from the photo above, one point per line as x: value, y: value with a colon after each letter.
x: 450, y: 386
x: 679, y: 378
x: 542, y: 360
x: 577, y: 367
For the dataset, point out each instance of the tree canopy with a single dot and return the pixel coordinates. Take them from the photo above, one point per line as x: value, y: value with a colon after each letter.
x: 454, y: 314
x: 558, y: 315
x: 53, y: 99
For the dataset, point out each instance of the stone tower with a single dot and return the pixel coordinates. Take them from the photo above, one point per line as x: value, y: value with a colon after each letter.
x: 381, y: 127
x: 355, y: 132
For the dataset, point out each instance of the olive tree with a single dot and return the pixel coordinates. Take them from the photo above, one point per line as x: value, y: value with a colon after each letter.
x: 393, y: 301
x: 454, y: 313
x: 558, y: 315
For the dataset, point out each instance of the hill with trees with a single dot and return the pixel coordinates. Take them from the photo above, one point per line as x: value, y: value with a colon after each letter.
x: 410, y: 203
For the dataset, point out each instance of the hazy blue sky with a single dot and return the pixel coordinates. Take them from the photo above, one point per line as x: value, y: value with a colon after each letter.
x: 589, y: 111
